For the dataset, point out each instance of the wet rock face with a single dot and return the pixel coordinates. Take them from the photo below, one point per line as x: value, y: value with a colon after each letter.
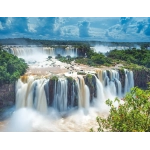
x: 72, y: 94
x: 90, y: 81
x: 76, y: 98
x: 122, y: 78
x: 69, y: 92
x: 7, y: 95
x: 141, y: 78
x: 51, y: 91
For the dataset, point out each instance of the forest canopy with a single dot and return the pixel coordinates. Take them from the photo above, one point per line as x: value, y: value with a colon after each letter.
x: 11, y: 67
x: 139, y: 57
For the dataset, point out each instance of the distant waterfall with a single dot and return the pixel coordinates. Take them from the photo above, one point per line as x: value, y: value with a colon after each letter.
x: 28, y: 52
x: 71, y: 51
x: 49, y: 51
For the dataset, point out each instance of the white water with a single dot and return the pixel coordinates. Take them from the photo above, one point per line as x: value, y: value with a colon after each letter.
x: 33, y: 113
x: 34, y: 93
x: 87, y: 98
x: 39, y: 54
x: 129, y: 82
x: 60, y: 95
x: 27, y: 120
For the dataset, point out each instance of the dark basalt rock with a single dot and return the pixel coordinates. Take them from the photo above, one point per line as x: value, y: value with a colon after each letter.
x: 122, y: 78
x: 90, y: 81
x: 141, y: 78
x: 72, y: 94
x: 7, y: 95
x: 52, y: 83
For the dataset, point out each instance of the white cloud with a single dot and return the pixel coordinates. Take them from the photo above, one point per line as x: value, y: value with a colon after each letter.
x: 32, y: 27
x: 70, y: 31
x: 96, y: 32
x: 9, y: 21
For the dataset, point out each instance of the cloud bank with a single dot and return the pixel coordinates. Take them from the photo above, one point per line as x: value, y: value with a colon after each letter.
x: 77, y: 28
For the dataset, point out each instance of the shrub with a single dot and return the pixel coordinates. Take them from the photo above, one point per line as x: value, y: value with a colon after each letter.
x: 54, y: 78
x: 81, y: 73
x: 132, y: 116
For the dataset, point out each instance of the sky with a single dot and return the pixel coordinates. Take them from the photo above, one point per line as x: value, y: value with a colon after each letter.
x: 120, y: 29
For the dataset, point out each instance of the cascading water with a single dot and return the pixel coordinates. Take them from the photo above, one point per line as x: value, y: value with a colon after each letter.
x: 112, y: 84
x: 35, y: 93
x: 65, y: 102
x: 129, y: 82
x: 33, y: 53
x: 60, y: 95
x: 81, y: 90
x: 41, y: 102
x: 87, y: 98
x: 99, y: 92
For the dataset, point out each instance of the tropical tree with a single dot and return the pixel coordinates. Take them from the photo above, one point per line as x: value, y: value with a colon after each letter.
x: 132, y: 116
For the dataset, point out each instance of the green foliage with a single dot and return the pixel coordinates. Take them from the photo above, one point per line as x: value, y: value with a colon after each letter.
x: 66, y: 59
x: 54, y: 78
x: 58, y: 56
x: 99, y: 59
x: 49, y: 57
x: 132, y: 116
x: 11, y: 67
x: 70, y: 79
x: 81, y: 73
x: 89, y: 78
x: 139, y: 57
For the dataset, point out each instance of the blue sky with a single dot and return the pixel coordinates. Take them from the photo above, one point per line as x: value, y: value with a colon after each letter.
x: 126, y: 29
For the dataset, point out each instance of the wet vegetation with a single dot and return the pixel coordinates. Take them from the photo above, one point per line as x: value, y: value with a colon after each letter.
x: 11, y: 67
x: 54, y: 78
x: 130, y: 58
x: 139, y: 57
x: 132, y: 116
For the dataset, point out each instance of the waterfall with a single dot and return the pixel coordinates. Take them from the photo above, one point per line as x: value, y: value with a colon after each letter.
x: 81, y: 90
x: 60, y: 95
x: 99, y: 91
x: 76, y: 52
x: 31, y: 94
x: 35, y: 92
x: 129, y: 81
x: 87, y: 98
x: 21, y: 89
x: 41, y: 102
x: 28, y: 53
x: 100, y: 74
x: 111, y: 82
x: 46, y: 88
x: 126, y: 81
x: 84, y: 94
x: 72, y: 94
